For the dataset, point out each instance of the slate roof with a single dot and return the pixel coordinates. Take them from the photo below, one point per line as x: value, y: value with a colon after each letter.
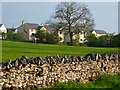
x: 31, y: 25
x: 100, y: 32
x: 11, y: 29
x: 1, y: 25
x: 47, y: 26
x: 97, y: 31
x: 28, y: 26
x: 39, y: 27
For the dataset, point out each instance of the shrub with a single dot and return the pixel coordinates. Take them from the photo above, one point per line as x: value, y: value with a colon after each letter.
x: 10, y: 36
x: 46, y: 37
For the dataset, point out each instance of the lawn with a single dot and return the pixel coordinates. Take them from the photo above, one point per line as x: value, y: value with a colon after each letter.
x: 13, y: 49
x: 105, y: 82
x: 101, y: 81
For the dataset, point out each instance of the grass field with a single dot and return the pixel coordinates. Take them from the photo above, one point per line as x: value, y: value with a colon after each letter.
x: 13, y: 49
x: 102, y: 81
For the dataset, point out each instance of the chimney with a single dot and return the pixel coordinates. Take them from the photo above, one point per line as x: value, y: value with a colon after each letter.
x: 42, y: 24
x: 23, y: 21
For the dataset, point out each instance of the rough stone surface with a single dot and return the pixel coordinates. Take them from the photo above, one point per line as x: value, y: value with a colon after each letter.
x: 25, y: 73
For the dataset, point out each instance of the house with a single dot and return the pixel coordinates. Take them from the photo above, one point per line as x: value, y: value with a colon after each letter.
x: 3, y: 29
x: 45, y: 27
x: 99, y: 33
x: 61, y: 35
x: 83, y: 34
x: 12, y: 30
x: 49, y: 28
x: 27, y: 30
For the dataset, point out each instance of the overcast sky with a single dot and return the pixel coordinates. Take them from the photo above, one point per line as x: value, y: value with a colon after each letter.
x: 105, y: 13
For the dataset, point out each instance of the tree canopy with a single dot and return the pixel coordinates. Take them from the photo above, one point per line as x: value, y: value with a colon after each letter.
x: 76, y: 16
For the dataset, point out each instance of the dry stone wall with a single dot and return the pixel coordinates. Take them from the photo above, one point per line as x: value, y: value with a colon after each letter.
x: 24, y: 73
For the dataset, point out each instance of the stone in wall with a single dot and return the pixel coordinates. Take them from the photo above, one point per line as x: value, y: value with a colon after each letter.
x: 45, y: 72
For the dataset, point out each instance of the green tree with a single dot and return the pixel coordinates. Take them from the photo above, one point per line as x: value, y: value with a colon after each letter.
x: 106, y: 40
x: 41, y: 36
x: 10, y: 36
x: 46, y: 37
x: 3, y: 35
x: 76, y: 40
x: 52, y: 38
x: 19, y: 36
x: 92, y: 40
x: 74, y: 14
x: 115, y: 41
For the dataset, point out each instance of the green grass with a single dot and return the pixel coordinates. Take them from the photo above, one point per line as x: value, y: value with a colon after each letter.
x: 110, y: 82
x: 13, y: 49
x: 102, y: 81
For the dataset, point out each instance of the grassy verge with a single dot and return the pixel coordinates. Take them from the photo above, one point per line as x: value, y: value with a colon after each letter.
x: 13, y: 50
x: 111, y: 82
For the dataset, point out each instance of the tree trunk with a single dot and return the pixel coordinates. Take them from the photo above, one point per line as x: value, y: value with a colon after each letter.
x: 71, y: 41
x: 70, y: 33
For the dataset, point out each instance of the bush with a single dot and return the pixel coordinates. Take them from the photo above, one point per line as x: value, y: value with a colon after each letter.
x: 109, y: 40
x: 46, y: 37
x: 75, y: 42
x: 92, y: 40
x: 83, y: 44
x: 10, y: 36
x: 51, y: 38
x: 18, y: 36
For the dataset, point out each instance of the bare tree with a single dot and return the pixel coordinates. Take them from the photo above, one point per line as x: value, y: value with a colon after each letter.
x: 75, y: 16
x: 56, y: 26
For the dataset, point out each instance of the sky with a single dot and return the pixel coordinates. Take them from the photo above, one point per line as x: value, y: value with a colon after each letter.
x: 105, y: 14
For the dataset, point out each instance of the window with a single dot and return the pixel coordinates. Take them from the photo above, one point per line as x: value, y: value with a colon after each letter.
x: 80, y: 39
x: 33, y: 34
x: 60, y: 32
x: 32, y: 30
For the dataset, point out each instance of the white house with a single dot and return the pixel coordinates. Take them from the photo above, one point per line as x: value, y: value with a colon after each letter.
x: 3, y: 29
x: 61, y: 35
x: 99, y: 33
x: 83, y: 34
x: 28, y: 29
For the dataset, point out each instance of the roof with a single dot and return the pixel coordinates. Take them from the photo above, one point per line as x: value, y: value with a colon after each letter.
x: 97, y: 31
x: 11, y: 29
x: 47, y: 26
x: 31, y: 25
x: 27, y: 26
x: 100, y: 32
x: 1, y: 25
x: 87, y: 31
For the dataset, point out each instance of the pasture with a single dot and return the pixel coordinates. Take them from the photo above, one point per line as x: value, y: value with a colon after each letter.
x: 13, y: 49
x: 102, y: 81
